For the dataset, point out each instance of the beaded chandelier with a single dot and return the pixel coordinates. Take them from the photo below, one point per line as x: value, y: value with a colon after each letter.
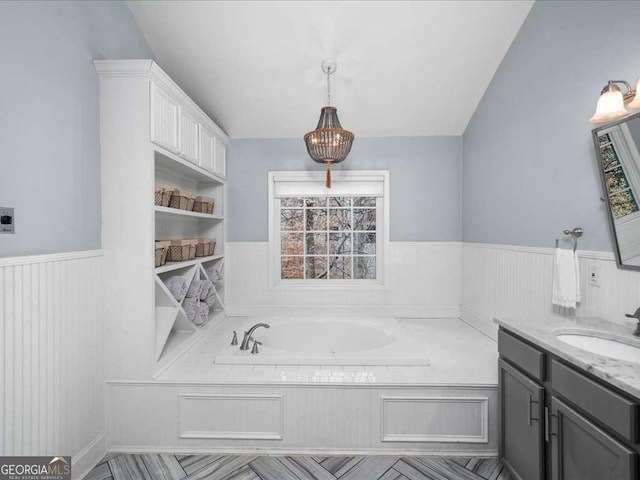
x: 329, y: 142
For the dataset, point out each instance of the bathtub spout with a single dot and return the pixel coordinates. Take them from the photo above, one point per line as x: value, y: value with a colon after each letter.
x: 247, y: 335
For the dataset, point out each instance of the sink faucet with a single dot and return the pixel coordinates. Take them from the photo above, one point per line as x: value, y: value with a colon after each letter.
x: 247, y: 335
x: 636, y: 315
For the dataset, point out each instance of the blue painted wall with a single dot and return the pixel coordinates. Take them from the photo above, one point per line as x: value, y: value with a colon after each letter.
x: 529, y: 169
x: 49, y: 126
x: 424, y: 183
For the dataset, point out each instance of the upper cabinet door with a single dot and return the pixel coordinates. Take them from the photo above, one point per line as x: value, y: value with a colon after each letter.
x: 164, y: 119
x: 188, y: 137
x: 207, y: 149
x: 220, y: 158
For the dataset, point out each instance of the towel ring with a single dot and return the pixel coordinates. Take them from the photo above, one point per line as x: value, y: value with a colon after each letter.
x: 574, y: 234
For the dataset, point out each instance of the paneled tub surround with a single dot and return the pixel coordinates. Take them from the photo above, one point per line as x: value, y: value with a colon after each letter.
x: 544, y: 332
x: 448, y: 406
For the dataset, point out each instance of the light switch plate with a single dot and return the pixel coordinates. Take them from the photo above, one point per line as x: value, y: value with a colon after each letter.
x: 7, y: 220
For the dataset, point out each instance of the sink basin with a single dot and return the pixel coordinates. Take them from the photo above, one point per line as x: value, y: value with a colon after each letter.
x: 602, y: 346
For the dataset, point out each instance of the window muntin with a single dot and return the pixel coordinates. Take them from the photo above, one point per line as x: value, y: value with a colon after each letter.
x: 621, y: 196
x: 328, y: 237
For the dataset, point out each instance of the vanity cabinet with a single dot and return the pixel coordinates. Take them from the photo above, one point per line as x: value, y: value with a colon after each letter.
x: 522, y: 446
x: 558, y: 422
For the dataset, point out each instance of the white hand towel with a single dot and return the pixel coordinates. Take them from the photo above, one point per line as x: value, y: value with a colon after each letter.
x: 566, y: 279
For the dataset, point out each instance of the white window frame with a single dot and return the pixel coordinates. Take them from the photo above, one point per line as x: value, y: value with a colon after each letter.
x: 307, y: 183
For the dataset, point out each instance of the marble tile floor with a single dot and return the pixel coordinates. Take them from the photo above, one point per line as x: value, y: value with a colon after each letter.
x: 225, y: 467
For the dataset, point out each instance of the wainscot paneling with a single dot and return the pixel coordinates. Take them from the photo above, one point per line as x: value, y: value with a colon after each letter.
x: 423, y: 280
x: 302, y: 418
x: 51, y: 357
x: 514, y: 281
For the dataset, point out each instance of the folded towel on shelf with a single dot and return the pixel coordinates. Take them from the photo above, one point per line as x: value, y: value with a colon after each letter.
x: 202, y: 314
x: 195, y: 289
x: 211, y: 297
x: 190, y: 306
x: 214, y: 274
x: 178, y: 286
x: 566, y: 279
x: 206, y: 288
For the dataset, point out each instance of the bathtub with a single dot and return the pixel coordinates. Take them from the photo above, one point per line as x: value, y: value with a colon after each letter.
x: 326, y: 341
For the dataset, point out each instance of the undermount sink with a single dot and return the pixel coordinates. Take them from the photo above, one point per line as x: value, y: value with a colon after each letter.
x: 602, y: 346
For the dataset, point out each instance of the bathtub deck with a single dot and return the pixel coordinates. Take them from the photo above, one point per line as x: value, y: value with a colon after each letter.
x: 458, y: 355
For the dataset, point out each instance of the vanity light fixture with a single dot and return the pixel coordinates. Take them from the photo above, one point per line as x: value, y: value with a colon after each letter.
x: 611, y: 104
x: 329, y: 142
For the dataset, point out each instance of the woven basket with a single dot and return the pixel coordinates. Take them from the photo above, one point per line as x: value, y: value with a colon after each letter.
x: 162, y: 196
x: 161, y: 250
x: 203, y: 205
x: 179, y: 251
x: 193, y: 247
x: 205, y: 247
x: 182, y: 200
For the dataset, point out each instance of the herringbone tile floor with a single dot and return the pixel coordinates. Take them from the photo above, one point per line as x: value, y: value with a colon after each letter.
x: 222, y: 467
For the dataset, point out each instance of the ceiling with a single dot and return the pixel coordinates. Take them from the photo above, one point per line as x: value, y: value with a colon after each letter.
x: 404, y: 68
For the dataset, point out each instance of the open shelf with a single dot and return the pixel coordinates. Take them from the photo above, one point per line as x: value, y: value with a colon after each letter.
x: 165, y: 318
x: 169, y: 266
x: 168, y: 213
x: 170, y: 161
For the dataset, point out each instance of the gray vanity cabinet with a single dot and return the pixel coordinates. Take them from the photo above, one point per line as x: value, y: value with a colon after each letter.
x: 558, y: 422
x: 580, y: 450
x: 522, y: 434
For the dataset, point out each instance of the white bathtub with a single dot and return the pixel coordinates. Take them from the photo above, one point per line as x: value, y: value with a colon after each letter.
x: 326, y: 341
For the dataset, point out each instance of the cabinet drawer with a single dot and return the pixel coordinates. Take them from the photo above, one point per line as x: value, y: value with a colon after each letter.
x: 611, y: 409
x: 525, y: 356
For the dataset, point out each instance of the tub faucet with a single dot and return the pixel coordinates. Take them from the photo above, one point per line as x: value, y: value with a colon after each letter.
x: 247, y: 335
x: 636, y: 315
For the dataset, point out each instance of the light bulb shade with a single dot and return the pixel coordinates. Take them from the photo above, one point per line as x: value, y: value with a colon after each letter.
x: 635, y: 103
x: 329, y: 142
x: 610, y: 107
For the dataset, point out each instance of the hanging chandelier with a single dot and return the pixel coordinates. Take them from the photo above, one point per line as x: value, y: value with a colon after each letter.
x: 329, y: 142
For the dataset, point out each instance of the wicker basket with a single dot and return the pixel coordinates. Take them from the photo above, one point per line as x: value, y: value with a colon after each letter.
x: 179, y: 251
x: 182, y: 200
x: 203, y: 205
x: 161, y: 250
x: 162, y: 196
x: 205, y: 247
x: 193, y: 247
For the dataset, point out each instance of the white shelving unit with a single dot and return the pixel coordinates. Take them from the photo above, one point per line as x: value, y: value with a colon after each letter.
x: 152, y: 132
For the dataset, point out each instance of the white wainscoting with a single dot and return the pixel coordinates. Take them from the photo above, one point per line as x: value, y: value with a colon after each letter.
x: 52, y: 398
x: 514, y: 281
x: 302, y: 418
x: 424, y: 280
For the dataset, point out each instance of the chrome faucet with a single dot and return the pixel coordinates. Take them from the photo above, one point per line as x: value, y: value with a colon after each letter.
x: 636, y: 315
x: 247, y: 335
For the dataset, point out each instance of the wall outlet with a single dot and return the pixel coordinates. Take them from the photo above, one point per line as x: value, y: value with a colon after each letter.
x: 594, y: 275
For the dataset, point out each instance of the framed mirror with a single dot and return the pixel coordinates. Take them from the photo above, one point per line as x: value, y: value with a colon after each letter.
x: 617, y: 148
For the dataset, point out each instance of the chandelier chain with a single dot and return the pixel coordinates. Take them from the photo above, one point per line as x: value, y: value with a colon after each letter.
x: 329, y: 86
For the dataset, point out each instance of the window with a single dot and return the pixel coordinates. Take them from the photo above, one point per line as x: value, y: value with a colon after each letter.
x: 323, y: 237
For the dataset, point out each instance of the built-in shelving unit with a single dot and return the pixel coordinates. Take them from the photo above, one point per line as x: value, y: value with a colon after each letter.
x: 152, y: 132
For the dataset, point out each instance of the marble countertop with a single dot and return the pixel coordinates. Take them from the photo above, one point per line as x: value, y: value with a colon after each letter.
x: 542, y: 332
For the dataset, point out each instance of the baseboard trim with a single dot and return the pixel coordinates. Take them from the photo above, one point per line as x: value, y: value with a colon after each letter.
x: 303, y: 451
x: 88, y: 457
